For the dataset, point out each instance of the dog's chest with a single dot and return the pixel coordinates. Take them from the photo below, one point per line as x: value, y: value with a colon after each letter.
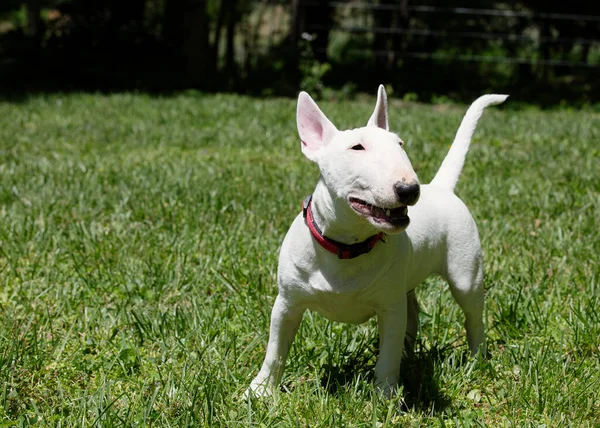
x: 354, y: 309
x: 351, y: 297
x: 349, y: 291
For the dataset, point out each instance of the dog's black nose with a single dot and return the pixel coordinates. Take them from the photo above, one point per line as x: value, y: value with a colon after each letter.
x: 408, y: 194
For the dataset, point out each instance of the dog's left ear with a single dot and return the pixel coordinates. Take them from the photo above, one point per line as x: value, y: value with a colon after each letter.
x: 379, y: 117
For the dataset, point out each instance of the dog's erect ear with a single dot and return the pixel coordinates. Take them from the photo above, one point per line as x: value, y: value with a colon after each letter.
x: 315, y: 130
x: 379, y: 117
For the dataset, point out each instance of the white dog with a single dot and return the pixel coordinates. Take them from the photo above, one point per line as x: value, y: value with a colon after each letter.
x: 351, y: 254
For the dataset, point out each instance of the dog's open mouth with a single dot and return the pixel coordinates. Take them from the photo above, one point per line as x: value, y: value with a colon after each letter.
x: 395, y: 216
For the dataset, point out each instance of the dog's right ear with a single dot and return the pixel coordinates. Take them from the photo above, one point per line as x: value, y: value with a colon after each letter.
x: 379, y: 117
x: 315, y: 130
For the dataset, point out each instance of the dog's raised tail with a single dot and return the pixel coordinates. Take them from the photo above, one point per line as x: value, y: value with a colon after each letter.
x: 447, y: 175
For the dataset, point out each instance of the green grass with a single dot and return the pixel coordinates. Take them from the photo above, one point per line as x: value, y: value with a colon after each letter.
x: 138, y: 247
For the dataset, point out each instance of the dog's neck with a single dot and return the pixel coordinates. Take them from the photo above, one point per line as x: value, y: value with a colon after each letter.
x: 336, y: 219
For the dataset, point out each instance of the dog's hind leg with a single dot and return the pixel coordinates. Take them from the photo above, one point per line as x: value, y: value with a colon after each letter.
x: 465, y: 276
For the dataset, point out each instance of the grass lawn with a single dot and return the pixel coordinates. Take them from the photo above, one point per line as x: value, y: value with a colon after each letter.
x: 138, y: 246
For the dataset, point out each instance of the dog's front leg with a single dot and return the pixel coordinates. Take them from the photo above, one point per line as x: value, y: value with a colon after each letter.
x: 391, y: 322
x: 285, y: 320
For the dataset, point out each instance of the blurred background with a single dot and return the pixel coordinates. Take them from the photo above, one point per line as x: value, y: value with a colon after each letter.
x: 539, y: 51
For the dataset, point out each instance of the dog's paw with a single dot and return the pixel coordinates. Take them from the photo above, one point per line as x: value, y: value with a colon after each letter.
x: 258, y: 391
x: 387, y: 389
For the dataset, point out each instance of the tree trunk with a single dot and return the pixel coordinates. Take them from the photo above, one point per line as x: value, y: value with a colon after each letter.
x: 319, y: 22
x: 197, y: 48
x: 298, y: 24
x: 127, y: 14
x: 218, y: 29
x: 34, y: 31
x: 186, y: 29
x: 33, y: 18
x: 382, y: 44
x: 232, y: 18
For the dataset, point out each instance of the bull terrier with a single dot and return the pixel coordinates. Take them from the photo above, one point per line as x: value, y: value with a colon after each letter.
x: 369, y: 234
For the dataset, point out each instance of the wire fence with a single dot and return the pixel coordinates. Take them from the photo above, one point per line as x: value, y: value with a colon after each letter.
x: 459, y: 11
x: 535, y: 40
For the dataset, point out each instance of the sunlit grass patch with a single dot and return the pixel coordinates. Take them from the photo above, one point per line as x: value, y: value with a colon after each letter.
x: 138, y: 248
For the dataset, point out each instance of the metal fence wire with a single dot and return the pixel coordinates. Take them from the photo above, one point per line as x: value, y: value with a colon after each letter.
x: 507, y: 36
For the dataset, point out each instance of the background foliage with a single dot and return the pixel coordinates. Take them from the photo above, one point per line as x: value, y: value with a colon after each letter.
x: 544, y: 51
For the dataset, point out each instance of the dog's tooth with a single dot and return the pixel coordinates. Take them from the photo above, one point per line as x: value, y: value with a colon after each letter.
x: 388, y: 212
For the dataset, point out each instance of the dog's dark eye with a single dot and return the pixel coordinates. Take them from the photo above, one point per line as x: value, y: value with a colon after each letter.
x: 357, y: 147
x: 401, y: 143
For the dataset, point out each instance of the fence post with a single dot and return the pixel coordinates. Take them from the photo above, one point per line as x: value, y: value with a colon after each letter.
x: 298, y: 17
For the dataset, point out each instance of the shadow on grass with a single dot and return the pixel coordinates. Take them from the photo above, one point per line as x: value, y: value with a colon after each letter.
x: 418, y: 377
x: 420, y: 380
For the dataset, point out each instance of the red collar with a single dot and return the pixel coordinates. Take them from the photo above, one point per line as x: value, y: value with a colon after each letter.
x: 343, y: 251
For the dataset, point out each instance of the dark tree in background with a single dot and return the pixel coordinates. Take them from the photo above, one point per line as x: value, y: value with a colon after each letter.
x: 186, y: 31
x: 322, y: 20
x: 547, y: 50
x: 34, y: 18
